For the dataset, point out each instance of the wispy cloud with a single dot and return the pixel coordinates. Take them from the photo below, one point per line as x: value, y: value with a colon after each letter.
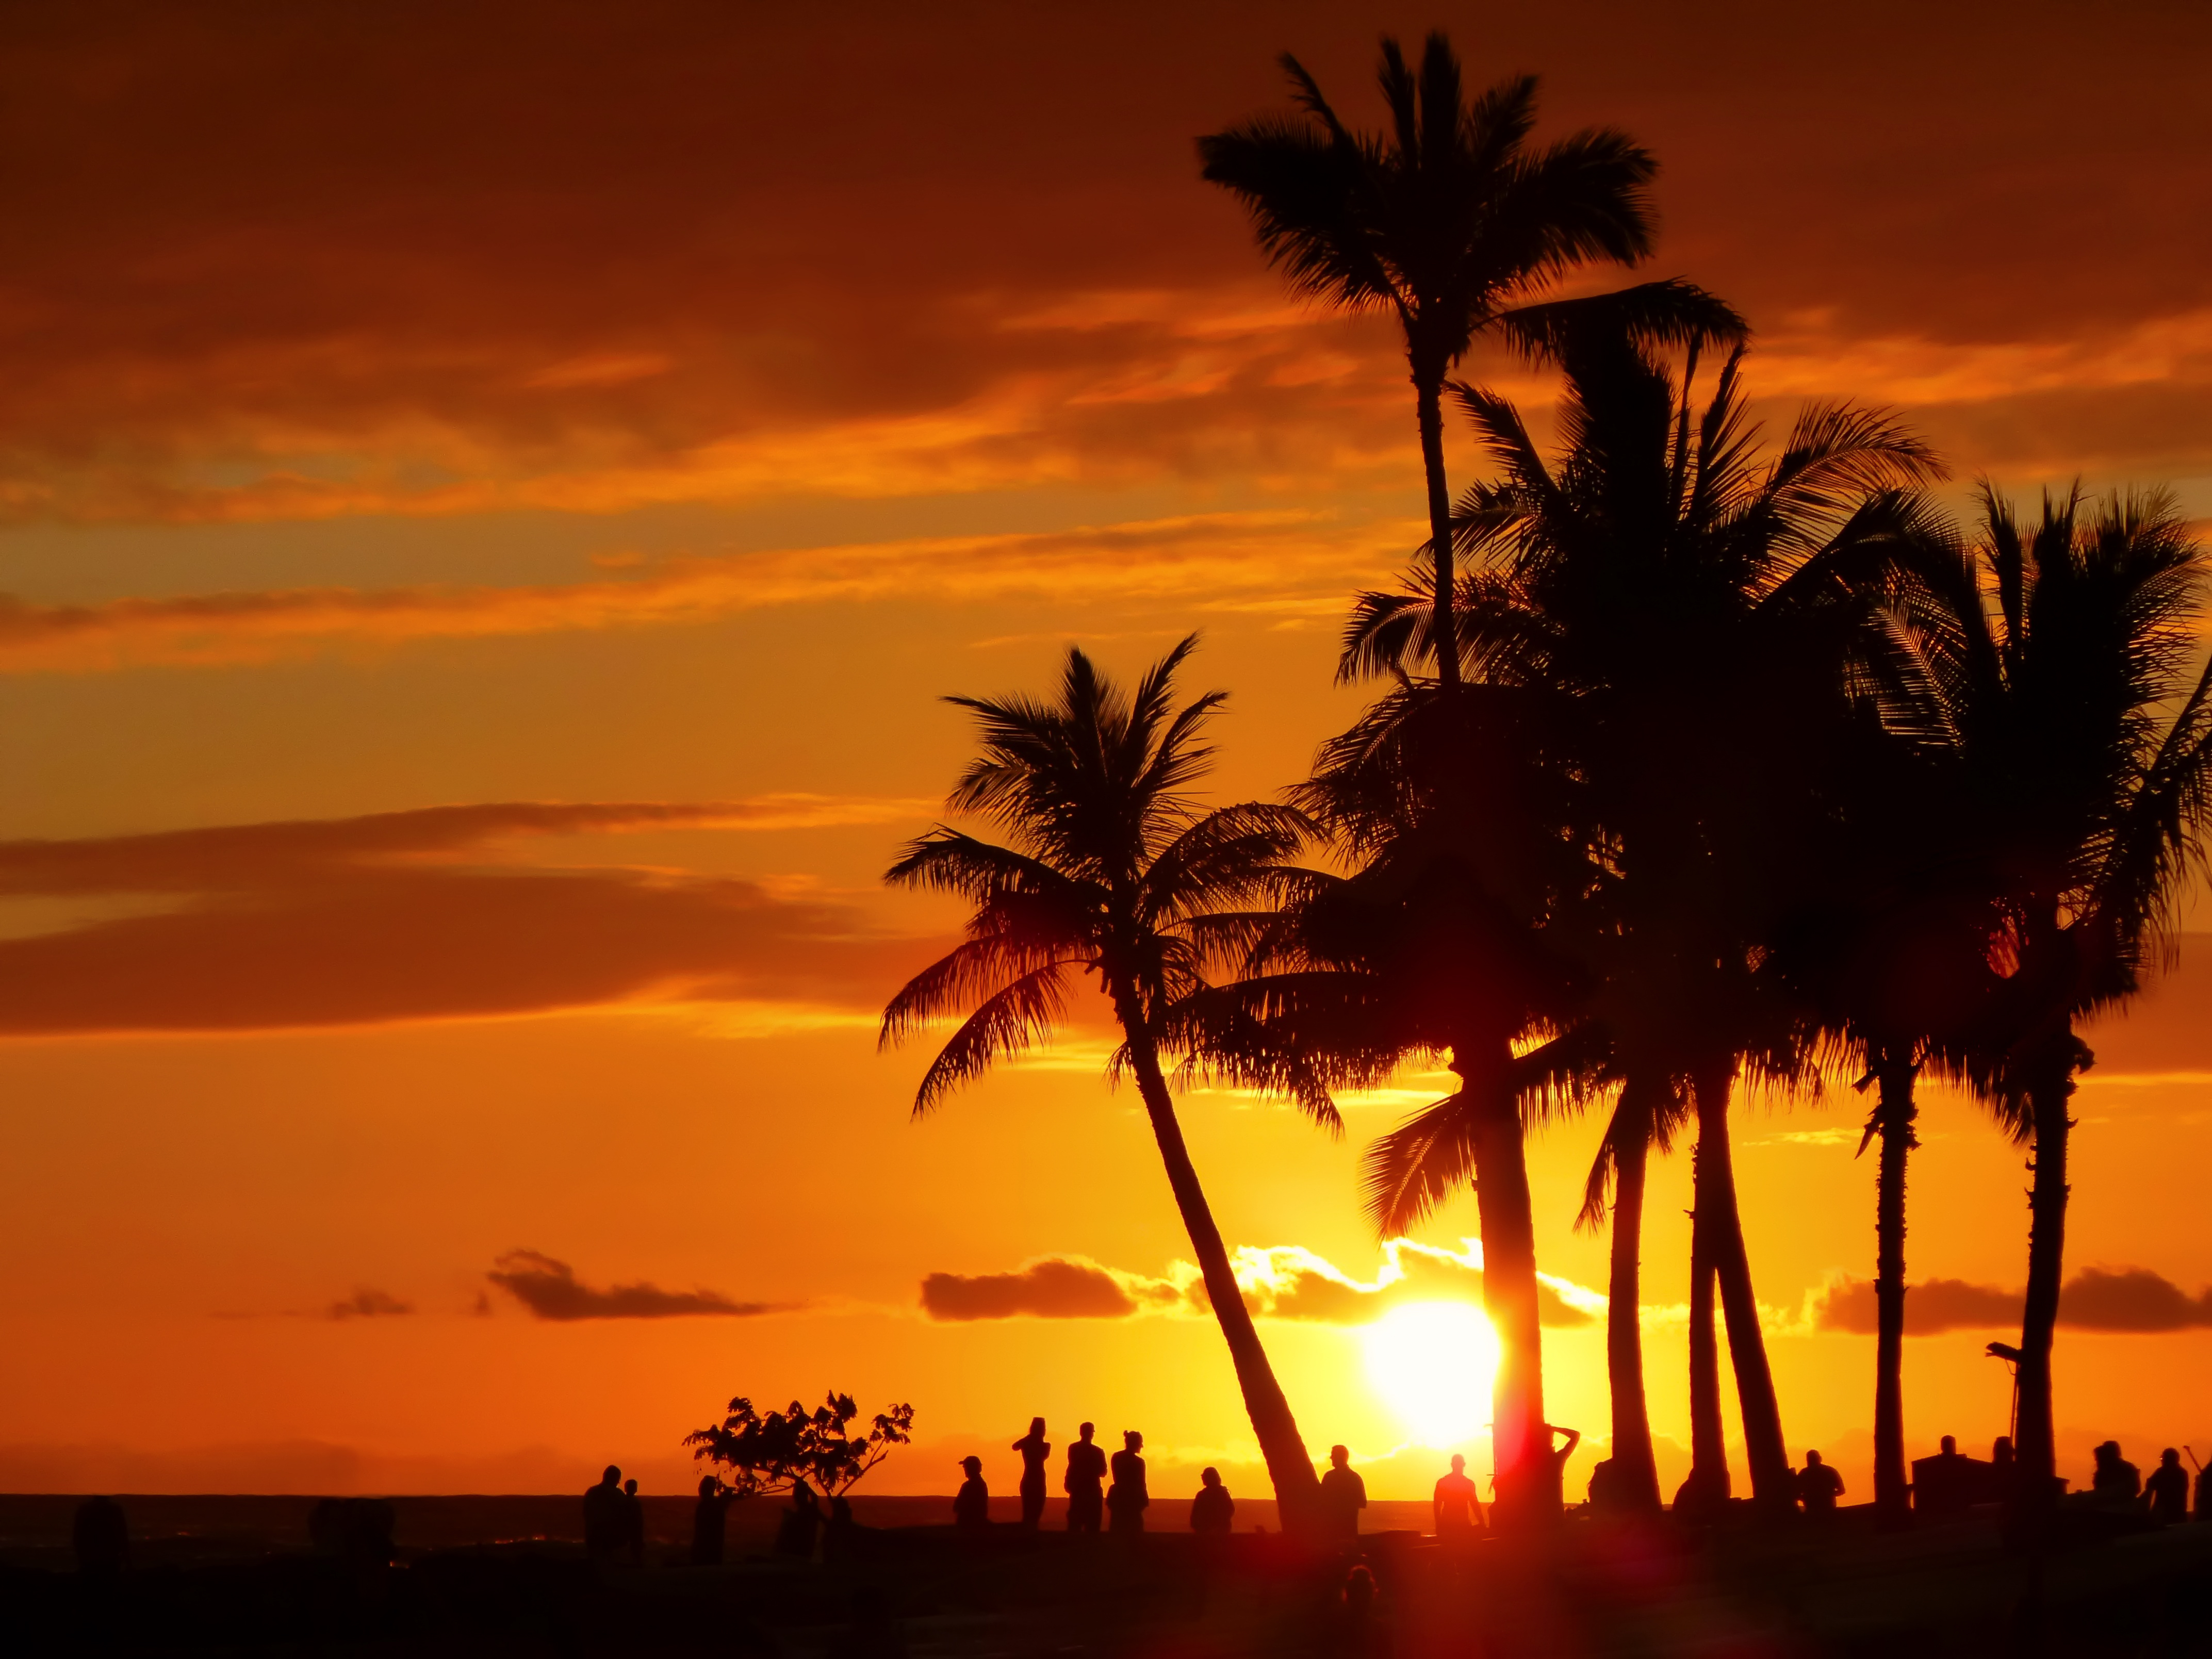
x: 550, y: 1290
x: 1051, y: 1287
x: 367, y: 1303
x: 2111, y: 1299
x: 1207, y: 556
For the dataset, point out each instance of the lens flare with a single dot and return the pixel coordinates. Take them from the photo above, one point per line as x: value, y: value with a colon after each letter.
x: 1432, y: 1362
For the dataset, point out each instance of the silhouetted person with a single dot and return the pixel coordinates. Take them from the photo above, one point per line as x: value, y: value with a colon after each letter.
x: 1703, y: 1494
x: 2004, y: 1470
x: 1947, y: 1483
x: 839, y: 1532
x: 633, y: 1523
x: 2203, y: 1510
x: 1126, y: 1498
x: 2117, y: 1483
x: 1360, y: 1633
x: 1211, y: 1510
x: 100, y: 1535
x: 1034, y: 1449
x: 1818, y: 1486
x: 1555, y: 1465
x: 709, y: 1522
x: 604, y: 1518
x: 971, y: 1505
x: 1084, y: 1482
x: 1457, y: 1506
x: 2165, y: 1494
x: 795, y: 1532
x: 1343, y: 1495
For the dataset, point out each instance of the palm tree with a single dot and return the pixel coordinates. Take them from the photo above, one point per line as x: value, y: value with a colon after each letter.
x: 2091, y: 804
x: 1444, y: 221
x: 1432, y: 947
x: 1710, y: 619
x: 1113, y: 872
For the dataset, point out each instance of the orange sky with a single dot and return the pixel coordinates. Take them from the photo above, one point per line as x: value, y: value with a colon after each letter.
x: 490, y: 497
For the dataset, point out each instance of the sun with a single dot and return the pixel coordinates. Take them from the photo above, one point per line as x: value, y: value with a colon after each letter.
x: 1432, y: 1362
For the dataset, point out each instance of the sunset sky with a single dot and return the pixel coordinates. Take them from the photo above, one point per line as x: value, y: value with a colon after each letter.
x: 491, y: 499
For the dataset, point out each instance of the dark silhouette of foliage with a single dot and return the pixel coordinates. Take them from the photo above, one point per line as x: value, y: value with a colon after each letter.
x: 1113, y: 874
x: 756, y: 1454
x: 1443, y: 221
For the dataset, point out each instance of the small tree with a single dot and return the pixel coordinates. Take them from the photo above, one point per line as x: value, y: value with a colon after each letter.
x: 766, y: 1455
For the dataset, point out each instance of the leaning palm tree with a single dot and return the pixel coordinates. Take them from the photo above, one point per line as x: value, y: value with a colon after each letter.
x: 1442, y: 223
x: 2093, y: 803
x: 1113, y: 874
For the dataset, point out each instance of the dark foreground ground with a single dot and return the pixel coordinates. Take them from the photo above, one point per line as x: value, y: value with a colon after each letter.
x: 1749, y: 1588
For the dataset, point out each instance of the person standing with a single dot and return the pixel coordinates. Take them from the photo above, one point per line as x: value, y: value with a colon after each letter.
x: 633, y: 1513
x: 1034, y: 1449
x: 971, y: 1507
x: 606, y: 1530
x: 1818, y: 1486
x: 1457, y: 1507
x: 1126, y: 1498
x: 1210, y: 1511
x: 1084, y: 1481
x: 2165, y: 1494
x: 1343, y: 1495
x: 709, y: 1522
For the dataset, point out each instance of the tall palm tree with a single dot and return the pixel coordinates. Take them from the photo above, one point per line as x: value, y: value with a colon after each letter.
x: 1710, y: 619
x: 1442, y: 222
x: 1433, y: 947
x: 2092, y: 804
x: 1115, y: 873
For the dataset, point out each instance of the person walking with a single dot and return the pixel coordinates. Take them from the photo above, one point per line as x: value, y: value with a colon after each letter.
x: 1343, y: 1495
x: 1126, y: 1498
x: 1034, y: 1449
x: 1084, y: 1481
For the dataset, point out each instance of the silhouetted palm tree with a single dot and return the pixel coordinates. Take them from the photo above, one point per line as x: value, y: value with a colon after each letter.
x: 1711, y: 620
x: 1115, y: 873
x: 2091, y: 804
x: 1443, y: 221
x: 1432, y: 948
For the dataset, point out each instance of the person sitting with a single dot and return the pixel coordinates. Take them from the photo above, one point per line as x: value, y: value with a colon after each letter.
x: 709, y: 1522
x: 2165, y: 1494
x: 1343, y: 1495
x: 971, y: 1509
x: 1455, y: 1508
x: 605, y: 1528
x: 2118, y: 1483
x: 1126, y: 1498
x: 1084, y: 1483
x: 1210, y: 1511
x: 1818, y: 1486
x: 1947, y: 1483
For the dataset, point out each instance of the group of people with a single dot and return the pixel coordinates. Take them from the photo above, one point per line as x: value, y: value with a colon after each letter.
x: 2118, y: 1485
x: 614, y: 1520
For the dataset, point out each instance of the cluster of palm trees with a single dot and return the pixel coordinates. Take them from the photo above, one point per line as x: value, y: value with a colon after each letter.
x: 1692, y: 764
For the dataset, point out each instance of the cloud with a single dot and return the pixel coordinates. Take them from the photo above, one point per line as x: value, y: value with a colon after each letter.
x: 550, y: 1290
x: 1282, y: 1281
x: 399, y: 916
x: 1291, y: 1282
x: 1051, y: 1287
x: 367, y: 1304
x: 2113, y: 1299
x: 445, y: 260
x: 1220, y: 560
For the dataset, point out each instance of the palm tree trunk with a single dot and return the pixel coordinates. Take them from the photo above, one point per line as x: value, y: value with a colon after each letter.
x: 1428, y: 398
x: 1893, y: 1119
x: 1297, y: 1490
x: 1772, y: 1485
x: 1635, y: 1471
x: 2036, y: 1444
x: 1709, y: 1474
x: 1527, y: 1490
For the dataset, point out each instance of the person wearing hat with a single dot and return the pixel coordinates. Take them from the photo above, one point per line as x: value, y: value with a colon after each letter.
x: 971, y: 1510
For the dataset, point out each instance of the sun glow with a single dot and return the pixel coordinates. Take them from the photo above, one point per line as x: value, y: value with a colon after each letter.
x: 1432, y: 1362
